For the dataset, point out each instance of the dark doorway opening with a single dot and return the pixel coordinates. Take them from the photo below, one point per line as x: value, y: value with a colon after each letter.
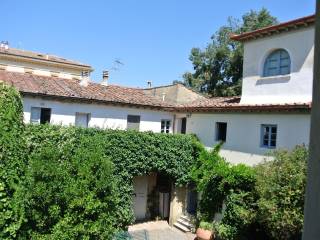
x: 183, y: 125
x: 192, y: 200
x: 45, y: 115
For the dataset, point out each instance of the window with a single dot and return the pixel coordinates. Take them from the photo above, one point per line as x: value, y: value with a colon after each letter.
x: 268, y: 136
x: 133, y: 122
x: 277, y: 63
x: 40, y: 115
x: 82, y: 119
x: 165, y: 126
x: 221, y: 131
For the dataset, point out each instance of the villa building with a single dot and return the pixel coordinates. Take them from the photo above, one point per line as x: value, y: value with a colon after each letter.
x: 272, y: 113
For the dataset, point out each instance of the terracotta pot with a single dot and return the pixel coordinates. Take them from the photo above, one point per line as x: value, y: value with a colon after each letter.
x: 203, y: 234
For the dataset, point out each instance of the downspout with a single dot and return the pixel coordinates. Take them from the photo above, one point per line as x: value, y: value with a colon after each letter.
x: 174, y: 124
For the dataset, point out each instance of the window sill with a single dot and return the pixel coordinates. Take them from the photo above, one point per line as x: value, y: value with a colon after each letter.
x: 274, y: 79
x: 266, y: 147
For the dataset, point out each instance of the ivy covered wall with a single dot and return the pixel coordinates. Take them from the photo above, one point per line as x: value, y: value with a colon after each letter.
x: 133, y: 154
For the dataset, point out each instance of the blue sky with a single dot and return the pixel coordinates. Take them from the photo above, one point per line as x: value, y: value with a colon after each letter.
x: 152, y: 38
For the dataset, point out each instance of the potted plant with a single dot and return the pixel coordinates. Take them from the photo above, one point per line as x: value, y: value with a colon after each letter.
x: 205, y: 231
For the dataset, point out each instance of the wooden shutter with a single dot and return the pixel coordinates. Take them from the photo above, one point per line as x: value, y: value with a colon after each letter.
x: 35, y: 115
x: 133, y: 122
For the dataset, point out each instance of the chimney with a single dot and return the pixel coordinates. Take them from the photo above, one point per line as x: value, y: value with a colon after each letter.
x: 105, y: 78
x: 4, y: 45
x: 149, y: 83
x: 84, y: 79
x: 163, y: 96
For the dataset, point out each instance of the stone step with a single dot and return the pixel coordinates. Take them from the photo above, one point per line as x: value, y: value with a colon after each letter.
x: 185, y: 223
x: 181, y: 227
x: 185, y: 218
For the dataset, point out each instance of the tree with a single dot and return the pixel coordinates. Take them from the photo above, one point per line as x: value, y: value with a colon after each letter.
x: 218, y: 67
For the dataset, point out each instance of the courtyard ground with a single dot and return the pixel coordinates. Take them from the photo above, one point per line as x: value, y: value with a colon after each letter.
x: 157, y: 230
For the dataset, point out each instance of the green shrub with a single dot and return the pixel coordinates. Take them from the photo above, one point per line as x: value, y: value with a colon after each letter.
x: 71, y: 192
x: 12, y: 162
x: 281, y: 187
x: 273, y: 209
x: 239, y: 217
x: 206, y: 225
x: 216, y: 179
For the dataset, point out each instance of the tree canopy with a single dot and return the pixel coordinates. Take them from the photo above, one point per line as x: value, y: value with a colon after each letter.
x: 218, y: 67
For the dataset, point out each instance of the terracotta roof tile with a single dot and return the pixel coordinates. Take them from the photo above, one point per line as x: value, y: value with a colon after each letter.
x: 69, y: 88
x: 60, y: 88
x: 266, y: 31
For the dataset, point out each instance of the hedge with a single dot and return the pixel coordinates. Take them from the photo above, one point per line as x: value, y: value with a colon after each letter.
x: 133, y: 154
x: 12, y: 162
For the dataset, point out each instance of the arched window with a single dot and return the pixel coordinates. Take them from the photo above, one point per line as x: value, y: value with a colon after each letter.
x: 277, y: 63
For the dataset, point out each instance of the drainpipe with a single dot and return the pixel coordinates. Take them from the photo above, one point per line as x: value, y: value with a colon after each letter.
x: 174, y: 123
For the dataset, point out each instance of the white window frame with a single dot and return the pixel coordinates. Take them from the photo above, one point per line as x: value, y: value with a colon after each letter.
x: 262, y: 138
x: 165, y: 127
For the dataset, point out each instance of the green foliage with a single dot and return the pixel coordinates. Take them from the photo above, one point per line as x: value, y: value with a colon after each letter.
x: 12, y: 164
x: 273, y: 209
x: 71, y: 192
x: 281, y: 187
x: 132, y: 153
x: 216, y: 179
x: 239, y: 217
x: 218, y: 68
x: 206, y: 225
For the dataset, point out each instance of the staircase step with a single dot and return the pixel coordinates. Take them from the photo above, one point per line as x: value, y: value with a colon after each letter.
x: 185, y: 218
x: 185, y: 223
x: 181, y: 227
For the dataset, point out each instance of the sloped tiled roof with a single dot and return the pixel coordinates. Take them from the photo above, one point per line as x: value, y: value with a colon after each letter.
x: 232, y: 104
x: 71, y: 90
x: 275, y: 29
x: 68, y: 88
x: 40, y: 56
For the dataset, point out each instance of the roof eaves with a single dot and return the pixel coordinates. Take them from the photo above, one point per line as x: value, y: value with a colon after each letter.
x: 267, y: 31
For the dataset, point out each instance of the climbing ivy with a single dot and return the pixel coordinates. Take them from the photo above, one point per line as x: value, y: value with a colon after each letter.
x: 132, y: 153
x: 12, y: 162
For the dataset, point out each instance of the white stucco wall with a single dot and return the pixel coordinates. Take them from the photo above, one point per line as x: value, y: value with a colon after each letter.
x: 102, y: 116
x: 244, y: 133
x: 295, y: 87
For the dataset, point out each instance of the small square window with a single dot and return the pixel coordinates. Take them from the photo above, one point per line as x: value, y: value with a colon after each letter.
x: 268, y: 136
x: 133, y: 122
x: 221, y: 131
x: 165, y: 126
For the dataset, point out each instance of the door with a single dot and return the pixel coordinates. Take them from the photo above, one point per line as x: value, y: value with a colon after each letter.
x: 192, y: 199
x: 140, y: 185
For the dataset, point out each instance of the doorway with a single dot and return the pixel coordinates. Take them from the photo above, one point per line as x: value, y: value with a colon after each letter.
x: 140, y: 186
